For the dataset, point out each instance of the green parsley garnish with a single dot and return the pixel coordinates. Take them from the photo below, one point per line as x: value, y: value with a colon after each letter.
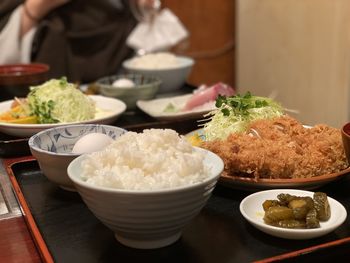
x: 239, y: 104
x: 170, y: 108
x: 235, y: 113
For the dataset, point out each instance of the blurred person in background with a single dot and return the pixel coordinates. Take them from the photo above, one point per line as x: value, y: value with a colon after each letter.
x: 80, y: 39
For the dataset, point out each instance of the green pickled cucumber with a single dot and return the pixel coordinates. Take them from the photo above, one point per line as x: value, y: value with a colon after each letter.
x: 322, y: 206
x: 277, y: 213
x: 268, y: 203
x: 290, y: 211
x: 312, y: 220
x: 291, y: 223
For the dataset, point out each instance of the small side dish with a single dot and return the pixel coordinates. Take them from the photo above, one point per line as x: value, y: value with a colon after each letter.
x: 195, y: 104
x: 129, y: 88
x: 202, y: 98
x: 56, y: 147
x: 290, y: 211
x: 253, y: 211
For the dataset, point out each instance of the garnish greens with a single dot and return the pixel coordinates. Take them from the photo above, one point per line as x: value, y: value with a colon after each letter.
x: 170, y: 108
x: 60, y: 101
x: 235, y: 113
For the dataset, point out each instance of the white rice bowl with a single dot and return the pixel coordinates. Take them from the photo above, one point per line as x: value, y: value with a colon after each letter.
x: 153, y: 160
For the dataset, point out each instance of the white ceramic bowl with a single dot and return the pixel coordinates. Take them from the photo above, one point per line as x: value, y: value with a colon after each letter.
x: 173, y: 78
x: 53, y: 149
x: 147, y: 219
x: 252, y: 210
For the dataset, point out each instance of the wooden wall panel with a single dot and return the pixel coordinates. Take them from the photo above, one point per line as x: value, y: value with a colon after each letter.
x: 212, y: 38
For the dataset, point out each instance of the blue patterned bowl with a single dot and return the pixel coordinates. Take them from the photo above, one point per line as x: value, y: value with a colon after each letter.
x: 53, y: 148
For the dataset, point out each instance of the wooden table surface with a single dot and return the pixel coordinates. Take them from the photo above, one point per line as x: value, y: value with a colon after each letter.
x: 16, y: 243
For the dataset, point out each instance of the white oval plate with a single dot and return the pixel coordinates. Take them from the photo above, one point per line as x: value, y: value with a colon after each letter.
x: 252, y: 210
x: 109, y: 109
x: 155, y: 108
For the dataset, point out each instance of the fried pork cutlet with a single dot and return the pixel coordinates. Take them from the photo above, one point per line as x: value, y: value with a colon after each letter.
x: 281, y: 148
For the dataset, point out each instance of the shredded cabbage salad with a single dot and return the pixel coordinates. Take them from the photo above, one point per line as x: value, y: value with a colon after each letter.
x: 235, y: 113
x: 59, y: 101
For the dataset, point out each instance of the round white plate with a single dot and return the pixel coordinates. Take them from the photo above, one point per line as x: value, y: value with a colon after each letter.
x: 252, y: 210
x: 155, y: 108
x: 109, y: 109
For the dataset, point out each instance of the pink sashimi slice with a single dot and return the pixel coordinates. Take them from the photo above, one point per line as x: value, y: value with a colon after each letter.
x: 205, y: 94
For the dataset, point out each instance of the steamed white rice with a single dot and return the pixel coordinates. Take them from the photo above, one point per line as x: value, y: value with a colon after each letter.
x: 161, y: 60
x: 152, y: 160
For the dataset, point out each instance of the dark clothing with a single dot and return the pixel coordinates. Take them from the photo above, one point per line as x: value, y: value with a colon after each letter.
x: 83, y: 40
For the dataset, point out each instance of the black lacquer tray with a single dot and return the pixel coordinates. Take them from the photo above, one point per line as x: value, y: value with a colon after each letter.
x: 11, y: 146
x: 65, y: 228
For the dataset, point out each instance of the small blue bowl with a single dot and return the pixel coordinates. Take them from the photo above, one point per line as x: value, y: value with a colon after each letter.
x: 53, y: 148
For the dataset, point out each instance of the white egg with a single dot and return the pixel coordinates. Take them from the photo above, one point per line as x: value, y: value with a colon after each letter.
x: 123, y: 83
x: 91, y: 142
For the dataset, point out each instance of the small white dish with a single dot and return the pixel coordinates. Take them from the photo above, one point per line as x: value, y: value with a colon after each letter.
x: 252, y: 210
x: 156, y: 108
x: 108, y: 111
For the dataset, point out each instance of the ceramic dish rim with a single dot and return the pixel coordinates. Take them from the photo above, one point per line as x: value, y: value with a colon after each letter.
x: 171, y: 115
x: 156, y: 82
x: 24, y: 126
x: 39, y: 134
x: 103, y: 189
x: 337, y: 222
x: 186, y: 62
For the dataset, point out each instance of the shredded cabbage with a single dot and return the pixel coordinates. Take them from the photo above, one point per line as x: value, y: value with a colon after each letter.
x: 235, y: 113
x: 59, y: 101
